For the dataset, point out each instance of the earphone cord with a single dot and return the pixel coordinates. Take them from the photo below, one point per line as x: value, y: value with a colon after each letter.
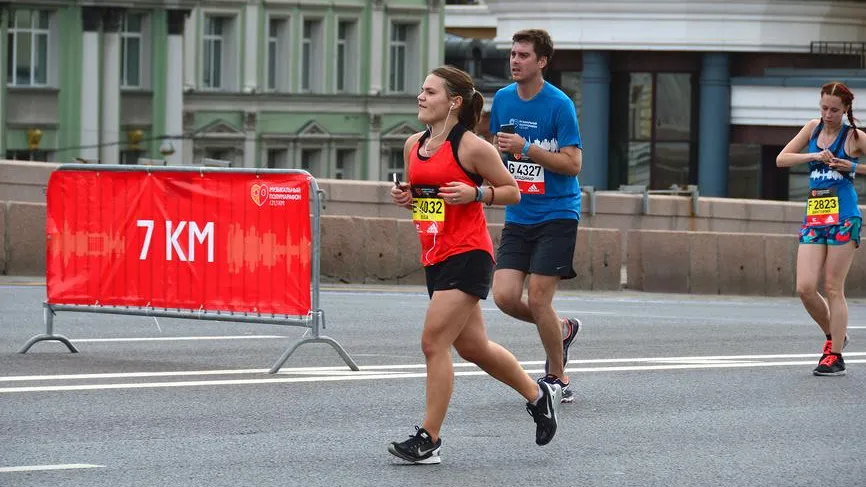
x: 445, y: 126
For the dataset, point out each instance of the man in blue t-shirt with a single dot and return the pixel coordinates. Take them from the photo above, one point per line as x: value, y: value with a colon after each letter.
x: 536, y: 128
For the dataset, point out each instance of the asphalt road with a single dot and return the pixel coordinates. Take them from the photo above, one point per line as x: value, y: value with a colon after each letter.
x: 672, y: 391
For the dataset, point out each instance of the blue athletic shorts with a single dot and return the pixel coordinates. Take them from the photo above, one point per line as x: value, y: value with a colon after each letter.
x: 847, y: 231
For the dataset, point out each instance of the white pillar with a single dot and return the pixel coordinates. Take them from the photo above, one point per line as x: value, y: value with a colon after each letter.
x: 174, y: 86
x: 90, y: 79
x: 250, y: 139
x: 190, y: 73
x: 251, y: 49
x: 377, y: 45
x: 434, y: 39
x: 374, y: 149
x: 111, y: 138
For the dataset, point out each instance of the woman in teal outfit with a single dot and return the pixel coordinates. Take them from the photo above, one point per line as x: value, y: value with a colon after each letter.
x: 831, y: 226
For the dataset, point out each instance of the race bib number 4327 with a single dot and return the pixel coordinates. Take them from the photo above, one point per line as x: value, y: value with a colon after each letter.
x: 529, y: 176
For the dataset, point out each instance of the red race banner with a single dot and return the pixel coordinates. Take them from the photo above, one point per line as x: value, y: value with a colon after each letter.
x: 211, y: 241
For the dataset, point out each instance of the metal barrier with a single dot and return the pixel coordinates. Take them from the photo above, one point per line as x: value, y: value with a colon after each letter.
x: 690, y: 190
x: 87, y: 241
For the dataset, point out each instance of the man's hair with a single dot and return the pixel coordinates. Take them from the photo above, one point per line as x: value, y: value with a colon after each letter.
x: 540, y: 39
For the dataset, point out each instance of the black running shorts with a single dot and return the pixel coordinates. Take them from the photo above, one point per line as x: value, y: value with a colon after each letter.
x: 545, y: 248
x: 470, y: 272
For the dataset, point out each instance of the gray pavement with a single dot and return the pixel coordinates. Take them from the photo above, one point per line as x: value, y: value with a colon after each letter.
x: 672, y: 391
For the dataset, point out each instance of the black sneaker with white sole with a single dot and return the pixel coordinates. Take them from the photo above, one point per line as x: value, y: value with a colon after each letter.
x: 831, y: 364
x: 545, y: 411
x: 574, y: 325
x: 419, y: 448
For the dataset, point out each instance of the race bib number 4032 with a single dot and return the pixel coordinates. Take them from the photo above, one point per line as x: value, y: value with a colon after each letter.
x: 529, y: 176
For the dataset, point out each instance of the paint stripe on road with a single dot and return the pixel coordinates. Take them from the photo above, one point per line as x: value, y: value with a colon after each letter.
x: 37, y: 468
x: 343, y: 375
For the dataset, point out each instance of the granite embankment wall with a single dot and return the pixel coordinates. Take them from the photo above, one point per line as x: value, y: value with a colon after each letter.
x: 730, y: 246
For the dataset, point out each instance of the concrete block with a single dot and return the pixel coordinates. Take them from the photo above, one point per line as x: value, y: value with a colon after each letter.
x: 634, y: 260
x: 741, y: 264
x: 342, y: 248
x: 622, y: 203
x: 765, y: 211
x: 581, y: 262
x: 25, y: 227
x: 409, y: 249
x: 606, y: 259
x: 729, y: 209
x: 381, y: 259
x: 780, y: 256
x: 703, y: 263
x: 665, y: 261
x: 3, y: 237
x: 855, y: 284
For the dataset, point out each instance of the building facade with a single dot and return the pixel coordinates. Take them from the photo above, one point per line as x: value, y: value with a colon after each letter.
x: 322, y: 85
x: 681, y: 92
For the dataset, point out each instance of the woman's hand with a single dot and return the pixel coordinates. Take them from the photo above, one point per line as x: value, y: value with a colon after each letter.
x: 840, y: 164
x: 456, y: 193
x: 825, y: 156
x: 401, y: 195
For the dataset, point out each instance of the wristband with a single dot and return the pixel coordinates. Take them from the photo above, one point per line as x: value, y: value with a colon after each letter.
x: 525, y: 148
x: 853, y: 170
x: 479, y: 193
x: 492, y: 195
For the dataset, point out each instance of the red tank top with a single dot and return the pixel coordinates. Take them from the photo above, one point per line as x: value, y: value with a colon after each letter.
x: 445, y: 229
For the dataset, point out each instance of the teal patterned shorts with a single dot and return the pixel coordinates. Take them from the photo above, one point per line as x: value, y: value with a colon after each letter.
x: 847, y: 231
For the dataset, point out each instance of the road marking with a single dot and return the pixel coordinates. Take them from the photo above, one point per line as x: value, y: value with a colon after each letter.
x: 394, y: 372
x: 168, y: 339
x: 36, y: 468
x: 369, y: 369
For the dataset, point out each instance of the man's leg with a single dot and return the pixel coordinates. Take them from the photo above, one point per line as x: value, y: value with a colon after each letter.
x: 540, y: 303
x: 508, y: 294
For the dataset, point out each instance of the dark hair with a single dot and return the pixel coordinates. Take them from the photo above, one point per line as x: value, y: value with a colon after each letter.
x: 459, y: 83
x: 541, y: 42
x: 839, y: 89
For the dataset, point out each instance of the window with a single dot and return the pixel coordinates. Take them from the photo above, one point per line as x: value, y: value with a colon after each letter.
x: 311, y: 161
x: 218, y: 156
x: 658, y: 139
x: 130, y: 156
x: 277, y: 159
x: 278, y: 54
x: 403, y: 55
x: 346, y: 57
x: 131, y: 51
x: 395, y: 164
x: 26, y: 155
x: 213, y: 51
x: 27, y: 48
x: 345, y: 164
x: 311, y: 55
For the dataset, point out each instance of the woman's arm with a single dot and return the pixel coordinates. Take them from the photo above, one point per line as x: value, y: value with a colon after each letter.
x: 791, y: 155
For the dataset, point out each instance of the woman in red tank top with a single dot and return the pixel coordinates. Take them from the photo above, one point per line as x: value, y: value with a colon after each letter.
x: 446, y: 166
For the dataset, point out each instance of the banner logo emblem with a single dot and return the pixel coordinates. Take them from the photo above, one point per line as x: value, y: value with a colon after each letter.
x: 259, y: 193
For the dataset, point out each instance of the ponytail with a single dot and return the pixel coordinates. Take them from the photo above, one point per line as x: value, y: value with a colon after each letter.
x: 851, y: 121
x: 470, y: 112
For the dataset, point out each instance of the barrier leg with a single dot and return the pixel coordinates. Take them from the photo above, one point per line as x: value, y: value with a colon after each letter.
x: 318, y: 317
x: 48, y: 317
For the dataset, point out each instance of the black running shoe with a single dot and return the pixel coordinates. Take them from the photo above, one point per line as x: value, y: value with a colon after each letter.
x: 574, y: 325
x: 832, y: 364
x: 828, y: 348
x: 419, y: 448
x: 545, y: 411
